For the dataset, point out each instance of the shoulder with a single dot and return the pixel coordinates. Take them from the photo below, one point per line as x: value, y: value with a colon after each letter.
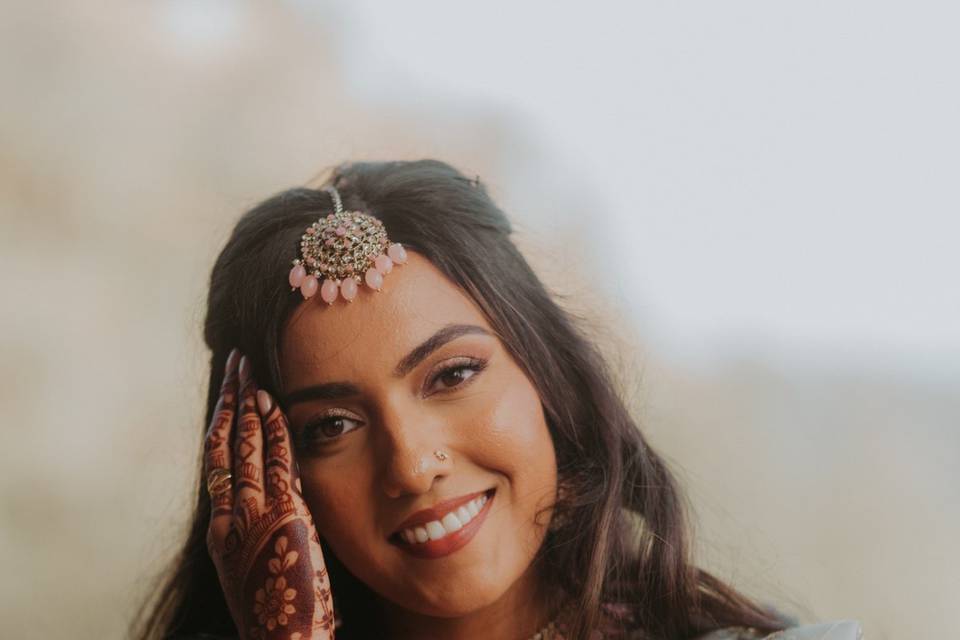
x: 837, y: 630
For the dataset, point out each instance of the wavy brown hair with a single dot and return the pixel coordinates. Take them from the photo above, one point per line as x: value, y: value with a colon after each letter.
x: 620, y: 533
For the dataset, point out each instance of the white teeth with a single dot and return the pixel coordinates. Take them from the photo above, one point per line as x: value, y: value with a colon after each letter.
x: 451, y: 522
x: 435, y: 530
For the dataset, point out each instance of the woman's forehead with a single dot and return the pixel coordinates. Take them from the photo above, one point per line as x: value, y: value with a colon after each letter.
x: 416, y: 301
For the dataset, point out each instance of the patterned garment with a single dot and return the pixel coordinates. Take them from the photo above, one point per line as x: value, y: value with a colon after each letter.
x: 840, y: 630
x: 618, y: 616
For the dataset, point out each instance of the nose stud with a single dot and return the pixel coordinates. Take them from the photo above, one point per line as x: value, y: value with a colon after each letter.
x: 440, y: 455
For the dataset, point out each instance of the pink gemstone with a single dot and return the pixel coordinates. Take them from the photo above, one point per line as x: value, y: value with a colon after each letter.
x: 311, y: 262
x: 297, y: 274
x: 384, y: 264
x: 311, y: 231
x: 329, y: 242
x: 329, y: 291
x: 329, y: 216
x: 347, y: 243
x: 397, y: 253
x: 373, y: 278
x: 341, y: 231
x: 348, y: 288
x: 309, y: 287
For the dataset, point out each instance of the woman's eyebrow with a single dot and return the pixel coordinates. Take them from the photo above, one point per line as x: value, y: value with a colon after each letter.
x: 337, y: 390
x: 434, y: 342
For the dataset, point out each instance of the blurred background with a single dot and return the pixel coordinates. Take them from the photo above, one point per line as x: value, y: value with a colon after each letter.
x: 756, y: 203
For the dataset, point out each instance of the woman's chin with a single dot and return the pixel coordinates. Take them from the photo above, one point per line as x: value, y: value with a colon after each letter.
x: 447, y: 604
x: 449, y: 596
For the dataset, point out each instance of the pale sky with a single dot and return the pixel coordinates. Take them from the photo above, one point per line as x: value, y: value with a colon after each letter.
x: 784, y: 174
x: 787, y: 172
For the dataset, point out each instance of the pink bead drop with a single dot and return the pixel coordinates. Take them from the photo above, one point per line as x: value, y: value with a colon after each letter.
x: 373, y: 278
x: 383, y: 263
x: 348, y: 288
x: 309, y: 287
x: 297, y: 274
x: 341, y: 231
x: 397, y: 253
x: 329, y: 291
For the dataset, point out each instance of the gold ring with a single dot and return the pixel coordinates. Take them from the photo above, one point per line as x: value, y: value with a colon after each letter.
x: 218, y: 482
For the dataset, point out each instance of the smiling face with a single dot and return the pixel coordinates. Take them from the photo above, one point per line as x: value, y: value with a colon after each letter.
x: 417, y: 369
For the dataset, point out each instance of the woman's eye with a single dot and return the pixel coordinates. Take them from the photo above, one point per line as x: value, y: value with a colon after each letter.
x: 456, y: 375
x: 329, y: 427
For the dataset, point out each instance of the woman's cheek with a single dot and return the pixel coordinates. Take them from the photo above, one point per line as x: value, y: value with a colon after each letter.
x: 510, y: 436
x: 331, y: 501
x: 512, y: 425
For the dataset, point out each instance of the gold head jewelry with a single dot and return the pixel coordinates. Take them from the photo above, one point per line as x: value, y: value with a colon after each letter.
x: 344, y: 250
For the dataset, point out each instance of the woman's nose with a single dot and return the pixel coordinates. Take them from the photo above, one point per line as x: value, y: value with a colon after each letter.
x: 407, y: 454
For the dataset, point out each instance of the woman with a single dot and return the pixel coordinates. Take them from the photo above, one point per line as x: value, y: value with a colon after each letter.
x: 415, y: 441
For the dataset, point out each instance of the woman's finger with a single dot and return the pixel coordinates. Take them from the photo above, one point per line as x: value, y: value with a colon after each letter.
x: 217, y: 442
x: 248, y: 450
x: 279, y: 459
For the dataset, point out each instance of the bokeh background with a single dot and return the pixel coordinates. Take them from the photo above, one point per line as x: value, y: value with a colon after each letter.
x: 755, y: 202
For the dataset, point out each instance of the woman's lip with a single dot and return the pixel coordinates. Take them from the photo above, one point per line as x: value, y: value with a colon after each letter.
x: 432, y: 549
x: 437, y: 511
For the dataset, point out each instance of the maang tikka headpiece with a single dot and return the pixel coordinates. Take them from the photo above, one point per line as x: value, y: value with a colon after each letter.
x: 340, y: 249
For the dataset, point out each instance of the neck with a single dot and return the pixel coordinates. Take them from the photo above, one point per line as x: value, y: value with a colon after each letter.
x: 518, y: 614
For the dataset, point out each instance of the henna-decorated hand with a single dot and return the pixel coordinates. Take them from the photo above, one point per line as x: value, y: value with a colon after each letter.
x: 261, y: 537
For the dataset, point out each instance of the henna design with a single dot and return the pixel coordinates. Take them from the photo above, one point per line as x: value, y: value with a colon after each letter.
x: 251, y: 525
x: 287, y: 592
x: 277, y: 488
x: 248, y: 475
x: 220, y: 505
x: 232, y: 541
x: 268, y: 554
x: 278, y: 461
x: 272, y: 603
x: 216, y: 447
x: 248, y: 445
x: 217, y: 433
x: 323, y: 595
x: 216, y: 460
x: 278, y: 456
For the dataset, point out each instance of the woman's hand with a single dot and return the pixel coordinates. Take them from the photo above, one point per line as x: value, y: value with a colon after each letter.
x: 261, y: 536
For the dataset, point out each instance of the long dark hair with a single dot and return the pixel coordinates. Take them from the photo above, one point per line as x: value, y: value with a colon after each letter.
x: 620, y: 533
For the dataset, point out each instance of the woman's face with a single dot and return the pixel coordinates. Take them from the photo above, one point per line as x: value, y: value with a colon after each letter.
x: 373, y: 389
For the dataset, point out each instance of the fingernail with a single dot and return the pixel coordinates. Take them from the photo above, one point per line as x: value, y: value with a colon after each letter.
x: 231, y: 361
x: 264, y: 402
x: 244, y: 369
